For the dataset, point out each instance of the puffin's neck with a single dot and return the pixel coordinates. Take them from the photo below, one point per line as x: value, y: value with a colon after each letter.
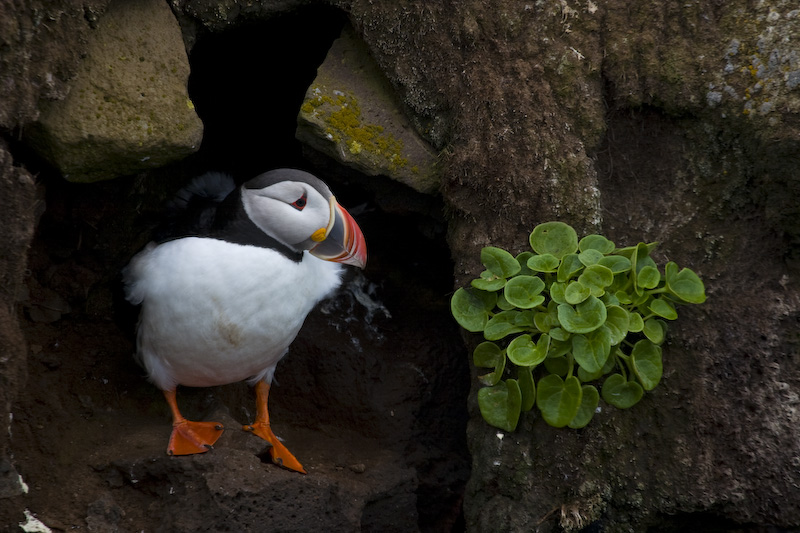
x: 232, y: 224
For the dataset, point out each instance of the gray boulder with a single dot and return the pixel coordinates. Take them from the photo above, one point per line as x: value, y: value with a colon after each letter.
x: 128, y: 108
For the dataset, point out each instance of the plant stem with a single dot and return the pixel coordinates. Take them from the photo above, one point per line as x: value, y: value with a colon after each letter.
x: 658, y: 291
x: 619, y: 355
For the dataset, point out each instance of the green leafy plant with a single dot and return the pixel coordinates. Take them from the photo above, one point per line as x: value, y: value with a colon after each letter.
x: 565, y: 315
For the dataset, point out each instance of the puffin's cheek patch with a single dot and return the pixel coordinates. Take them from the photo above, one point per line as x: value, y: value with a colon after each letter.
x: 319, y: 235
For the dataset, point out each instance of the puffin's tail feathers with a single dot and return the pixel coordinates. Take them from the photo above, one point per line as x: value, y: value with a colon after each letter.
x: 192, y: 210
x: 211, y: 187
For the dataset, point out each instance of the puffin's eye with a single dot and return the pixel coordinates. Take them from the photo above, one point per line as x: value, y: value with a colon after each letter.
x: 300, y: 203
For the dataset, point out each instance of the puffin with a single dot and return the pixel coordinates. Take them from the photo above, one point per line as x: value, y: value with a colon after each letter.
x: 222, y: 302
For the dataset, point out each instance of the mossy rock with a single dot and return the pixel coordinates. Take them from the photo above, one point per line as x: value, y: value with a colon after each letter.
x: 350, y: 113
x: 128, y: 108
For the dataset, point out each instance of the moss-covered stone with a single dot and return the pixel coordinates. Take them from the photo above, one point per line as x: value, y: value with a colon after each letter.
x: 128, y: 108
x: 351, y: 114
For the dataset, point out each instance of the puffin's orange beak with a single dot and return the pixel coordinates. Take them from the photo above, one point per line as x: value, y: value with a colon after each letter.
x: 344, y: 242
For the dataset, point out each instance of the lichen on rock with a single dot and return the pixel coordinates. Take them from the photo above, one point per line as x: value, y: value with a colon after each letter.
x: 760, y: 67
x: 350, y: 114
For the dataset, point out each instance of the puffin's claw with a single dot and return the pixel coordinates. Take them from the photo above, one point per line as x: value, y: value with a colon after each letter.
x: 280, y: 455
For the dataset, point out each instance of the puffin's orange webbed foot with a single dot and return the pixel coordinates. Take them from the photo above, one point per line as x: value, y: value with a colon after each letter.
x: 189, y: 437
x: 281, y: 456
x: 193, y: 437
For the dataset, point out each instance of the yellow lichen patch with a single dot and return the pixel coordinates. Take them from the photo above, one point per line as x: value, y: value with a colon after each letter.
x: 341, y: 115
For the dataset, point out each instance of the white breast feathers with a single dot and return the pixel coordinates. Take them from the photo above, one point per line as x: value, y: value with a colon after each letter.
x: 214, y: 312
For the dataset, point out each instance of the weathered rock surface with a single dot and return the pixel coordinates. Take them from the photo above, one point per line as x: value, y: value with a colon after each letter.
x: 597, y: 113
x: 42, y: 45
x: 127, y: 108
x: 17, y: 210
x: 350, y: 113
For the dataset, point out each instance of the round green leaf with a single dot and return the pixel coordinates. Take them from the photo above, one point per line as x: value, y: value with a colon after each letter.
x: 610, y: 298
x: 502, y: 303
x: 596, y: 242
x: 620, y: 393
x: 617, y: 323
x: 576, y: 293
x: 543, y: 263
x: 500, y: 405
x: 644, y: 262
x: 570, y: 265
x: 639, y: 300
x: 685, y: 284
x: 590, y: 257
x: 557, y: 292
x: 557, y: 349
x: 655, y: 330
x: 623, y: 297
x: 524, y: 319
x: 663, y: 309
x: 494, y: 376
x: 545, y: 321
x: 522, y: 259
x: 501, y: 263
x: 589, y: 400
x: 647, y: 365
x: 616, y: 263
x: 543, y: 344
x: 591, y: 350
x: 556, y: 238
x: 487, y: 355
x: 470, y: 310
x: 649, y: 277
x: 522, y: 351
x: 500, y: 325
x: 558, y: 400
x: 638, y: 251
x: 635, y: 322
x: 586, y: 377
x: 596, y: 278
x: 526, y: 387
x: 524, y: 291
x: 494, y: 284
x: 640, y: 258
x: 559, y: 334
x: 585, y: 317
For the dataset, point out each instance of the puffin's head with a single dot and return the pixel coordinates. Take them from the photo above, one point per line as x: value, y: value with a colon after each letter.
x: 300, y: 211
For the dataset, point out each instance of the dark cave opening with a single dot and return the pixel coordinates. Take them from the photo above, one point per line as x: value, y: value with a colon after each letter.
x: 248, y: 83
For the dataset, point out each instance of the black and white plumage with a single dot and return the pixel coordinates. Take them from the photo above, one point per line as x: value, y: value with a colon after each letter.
x: 224, y: 303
